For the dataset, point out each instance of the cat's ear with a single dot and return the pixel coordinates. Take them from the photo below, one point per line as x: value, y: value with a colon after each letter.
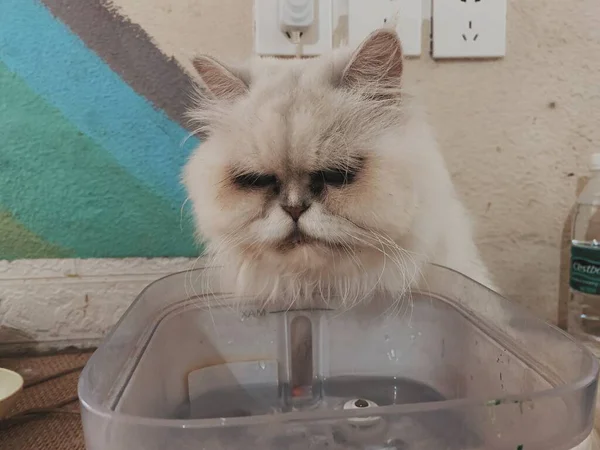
x: 378, y: 61
x: 218, y: 80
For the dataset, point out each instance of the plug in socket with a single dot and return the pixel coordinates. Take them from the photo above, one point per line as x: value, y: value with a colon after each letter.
x: 269, y: 40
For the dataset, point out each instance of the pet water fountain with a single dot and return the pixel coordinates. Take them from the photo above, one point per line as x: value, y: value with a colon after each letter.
x: 455, y: 367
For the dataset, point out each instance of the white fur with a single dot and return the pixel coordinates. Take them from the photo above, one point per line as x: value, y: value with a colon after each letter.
x: 375, y: 234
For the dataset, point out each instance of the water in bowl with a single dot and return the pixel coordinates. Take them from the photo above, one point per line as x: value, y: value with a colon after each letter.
x: 387, y: 432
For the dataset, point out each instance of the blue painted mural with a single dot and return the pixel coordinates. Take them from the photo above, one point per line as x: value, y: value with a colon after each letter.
x: 90, y: 162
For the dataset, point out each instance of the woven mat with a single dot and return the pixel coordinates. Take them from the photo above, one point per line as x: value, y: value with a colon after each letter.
x: 50, y: 382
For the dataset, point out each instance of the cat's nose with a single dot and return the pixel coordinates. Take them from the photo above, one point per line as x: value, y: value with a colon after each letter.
x: 295, y: 211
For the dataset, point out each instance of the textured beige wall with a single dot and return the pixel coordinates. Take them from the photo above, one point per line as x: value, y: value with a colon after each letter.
x: 516, y: 133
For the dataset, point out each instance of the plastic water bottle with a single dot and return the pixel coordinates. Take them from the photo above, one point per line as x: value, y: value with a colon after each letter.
x: 584, y: 279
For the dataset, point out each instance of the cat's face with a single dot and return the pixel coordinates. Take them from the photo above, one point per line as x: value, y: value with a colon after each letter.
x: 304, y: 170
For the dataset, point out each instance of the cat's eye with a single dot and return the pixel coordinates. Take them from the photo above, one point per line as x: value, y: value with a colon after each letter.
x: 255, y: 180
x: 335, y: 177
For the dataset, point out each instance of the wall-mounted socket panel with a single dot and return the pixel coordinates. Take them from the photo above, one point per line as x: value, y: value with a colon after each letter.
x: 270, y: 41
x: 468, y: 28
x: 406, y: 16
x: 460, y: 28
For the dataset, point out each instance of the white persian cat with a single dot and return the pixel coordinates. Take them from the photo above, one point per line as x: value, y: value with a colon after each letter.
x: 320, y: 177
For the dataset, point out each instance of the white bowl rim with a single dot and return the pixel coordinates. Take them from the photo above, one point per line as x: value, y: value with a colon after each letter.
x: 15, y: 378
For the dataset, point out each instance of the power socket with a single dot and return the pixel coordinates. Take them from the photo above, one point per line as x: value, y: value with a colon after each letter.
x: 405, y: 16
x: 468, y: 28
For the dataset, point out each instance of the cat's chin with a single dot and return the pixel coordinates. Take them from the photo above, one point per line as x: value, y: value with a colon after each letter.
x: 295, y: 256
x: 299, y: 240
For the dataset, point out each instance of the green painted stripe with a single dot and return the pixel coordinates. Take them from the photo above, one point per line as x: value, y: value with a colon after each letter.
x: 17, y: 242
x: 66, y: 189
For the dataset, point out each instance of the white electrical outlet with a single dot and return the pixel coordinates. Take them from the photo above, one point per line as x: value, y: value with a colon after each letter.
x: 269, y: 40
x: 469, y: 28
x: 405, y: 16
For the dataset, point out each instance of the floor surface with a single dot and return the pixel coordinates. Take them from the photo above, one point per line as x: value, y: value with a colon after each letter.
x: 50, y: 383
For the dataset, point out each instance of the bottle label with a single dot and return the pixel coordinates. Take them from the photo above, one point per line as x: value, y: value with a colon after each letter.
x: 585, y: 269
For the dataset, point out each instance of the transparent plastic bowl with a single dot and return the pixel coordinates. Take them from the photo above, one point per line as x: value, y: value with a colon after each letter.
x: 456, y: 367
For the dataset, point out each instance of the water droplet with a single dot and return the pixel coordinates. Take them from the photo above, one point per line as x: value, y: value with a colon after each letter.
x: 391, y: 354
x: 412, y: 337
x: 262, y: 365
x: 419, y: 334
x: 223, y: 421
x: 386, y: 337
x: 230, y: 341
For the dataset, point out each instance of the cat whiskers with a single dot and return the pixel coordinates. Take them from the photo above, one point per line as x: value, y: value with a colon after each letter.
x: 193, y: 295
x: 398, y: 256
x: 376, y: 284
x: 181, y: 213
x: 417, y: 273
x: 207, y: 288
x: 402, y: 259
